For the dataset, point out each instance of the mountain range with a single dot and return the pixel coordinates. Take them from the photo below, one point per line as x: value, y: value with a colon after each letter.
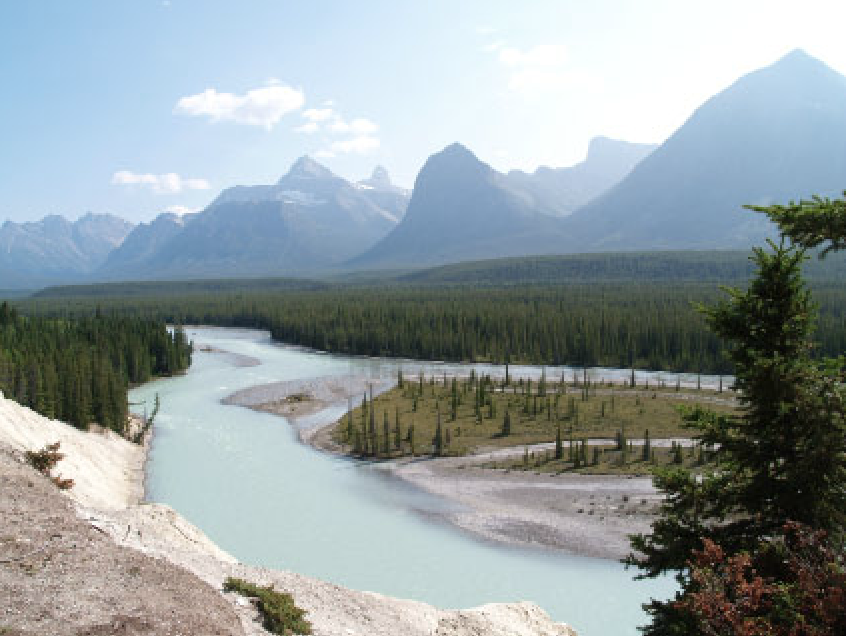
x: 55, y: 249
x: 309, y: 220
x: 561, y: 191
x: 774, y: 135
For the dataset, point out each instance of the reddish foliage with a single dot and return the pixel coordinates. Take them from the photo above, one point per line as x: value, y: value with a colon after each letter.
x: 794, y: 586
x: 45, y: 460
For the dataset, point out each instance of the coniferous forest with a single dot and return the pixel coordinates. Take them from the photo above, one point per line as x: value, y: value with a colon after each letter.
x: 79, y: 370
x: 642, y: 324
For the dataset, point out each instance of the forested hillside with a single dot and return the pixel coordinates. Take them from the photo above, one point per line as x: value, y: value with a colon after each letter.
x: 643, y: 324
x: 79, y: 370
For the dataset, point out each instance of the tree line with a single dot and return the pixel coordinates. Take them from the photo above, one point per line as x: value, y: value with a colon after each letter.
x: 79, y: 370
x: 641, y: 325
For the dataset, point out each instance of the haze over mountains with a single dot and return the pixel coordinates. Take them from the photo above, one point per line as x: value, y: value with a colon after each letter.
x: 55, y: 249
x: 775, y: 135
x: 563, y: 190
x: 311, y: 219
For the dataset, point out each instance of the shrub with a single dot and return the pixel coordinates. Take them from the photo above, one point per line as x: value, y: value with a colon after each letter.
x: 280, y: 615
x: 45, y: 460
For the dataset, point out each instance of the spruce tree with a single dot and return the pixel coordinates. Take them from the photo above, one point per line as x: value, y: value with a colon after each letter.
x: 438, y: 441
x: 559, y: 449
x: 782, y: 457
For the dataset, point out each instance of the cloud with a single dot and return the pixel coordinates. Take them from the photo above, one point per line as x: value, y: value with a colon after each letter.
x: 258, y: 107
x: 308, y: 128
x: 493, y: 46
x: 317, y: 114
x: 361, y: 144
x: 539, y: 69
x: 181, y: 209
x: 358, y: 126
x: 170, y: 183
x: 355, y: 136
x: 543, y: 56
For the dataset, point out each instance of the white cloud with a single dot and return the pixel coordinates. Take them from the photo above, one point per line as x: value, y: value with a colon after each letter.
x: 258, y: 107
x: 539, y: 69
x: 359, y: 126
x: 485, y: 29
x: 361, y: 144
x: 308, y: 128
x: 181, y: 209
x: 493, y: 46
x: 169, y: 183
x: 543, y: 55
x: 354, y: 136
x: 317, y: 114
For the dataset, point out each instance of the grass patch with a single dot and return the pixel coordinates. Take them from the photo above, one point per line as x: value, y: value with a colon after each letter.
x: 471, y: 412
x: 280, y: 615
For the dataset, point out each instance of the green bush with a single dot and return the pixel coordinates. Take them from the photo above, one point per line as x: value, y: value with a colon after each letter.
x: 279, y: 613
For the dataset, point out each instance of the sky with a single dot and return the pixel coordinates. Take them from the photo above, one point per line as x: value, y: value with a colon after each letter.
x: 137, y: 107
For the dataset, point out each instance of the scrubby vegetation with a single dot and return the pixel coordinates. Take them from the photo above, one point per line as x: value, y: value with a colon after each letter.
x: 280, y: 615
x: 453, y: 416
x: 45, y: 460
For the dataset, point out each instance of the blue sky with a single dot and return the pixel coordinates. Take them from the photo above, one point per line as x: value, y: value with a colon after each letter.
x: 137, y: 106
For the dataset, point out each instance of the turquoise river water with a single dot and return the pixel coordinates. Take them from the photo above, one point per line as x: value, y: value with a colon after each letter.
x: 244, y: 479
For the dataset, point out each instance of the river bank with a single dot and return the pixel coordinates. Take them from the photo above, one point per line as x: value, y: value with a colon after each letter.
x: 588, y: 515
x: 98, y: 537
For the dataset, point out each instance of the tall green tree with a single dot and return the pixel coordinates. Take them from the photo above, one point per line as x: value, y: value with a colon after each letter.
x: 782, y: 458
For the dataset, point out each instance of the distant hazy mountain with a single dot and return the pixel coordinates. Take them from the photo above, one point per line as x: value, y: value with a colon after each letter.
x: 54, y: 249
x: 379, y: 189
x: 309, y: 220
x: 461, y: 208
x: 563, y: 190
x: 776, y: 134
x: 143, y: 243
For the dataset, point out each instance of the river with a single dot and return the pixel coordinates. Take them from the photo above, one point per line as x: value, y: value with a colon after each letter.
x: 244, y: 479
